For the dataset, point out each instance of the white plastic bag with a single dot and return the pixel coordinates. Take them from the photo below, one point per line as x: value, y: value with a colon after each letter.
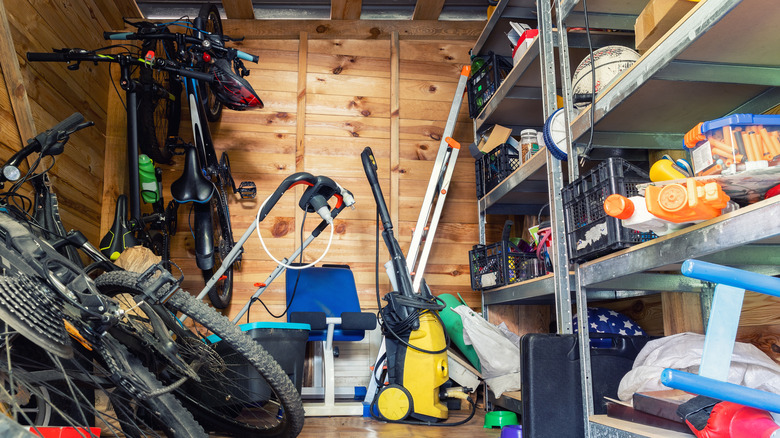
x: 750, y: 367
x: 498, y: 355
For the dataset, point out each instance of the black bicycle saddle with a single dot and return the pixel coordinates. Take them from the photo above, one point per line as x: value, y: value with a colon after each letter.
x: 120, y: 236
x: 192, y: 185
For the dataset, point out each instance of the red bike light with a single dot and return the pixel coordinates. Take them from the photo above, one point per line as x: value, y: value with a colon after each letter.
x: 206, y: 57
x: 150, y: 56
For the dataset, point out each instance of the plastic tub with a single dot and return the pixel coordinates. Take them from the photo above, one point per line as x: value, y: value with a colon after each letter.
x: 735, y: 143
x: 286, y: 342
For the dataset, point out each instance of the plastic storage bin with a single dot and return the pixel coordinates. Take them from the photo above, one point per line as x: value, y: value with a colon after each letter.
x: 500, y: 264
x: 494, y: 166
x: 484, y: 82
x: 286, y: 342
x: 590, y: 232
x: 735, y: 143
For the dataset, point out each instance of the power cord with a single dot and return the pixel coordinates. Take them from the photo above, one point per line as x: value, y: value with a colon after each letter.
x: 592, y: 109
x: 420, y: 305
x: 295, y: 287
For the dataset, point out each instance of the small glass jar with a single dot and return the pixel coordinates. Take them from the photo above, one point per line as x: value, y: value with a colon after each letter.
x: 528, y: 144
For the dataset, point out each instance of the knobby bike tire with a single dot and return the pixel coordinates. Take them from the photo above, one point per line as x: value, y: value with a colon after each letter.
x: 81, y: 392
x: 167, y: 411
x: 159, y: 105
x: 222, y: 292
x: 235, y: 369
x: 213, y: 25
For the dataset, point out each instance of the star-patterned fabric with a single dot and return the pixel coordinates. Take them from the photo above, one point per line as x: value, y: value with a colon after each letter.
x: 602, y: 320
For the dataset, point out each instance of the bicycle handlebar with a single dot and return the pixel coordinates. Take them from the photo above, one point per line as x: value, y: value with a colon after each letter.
x: 47, y: 57
x: 68, y: 55
x: 44, y: 143
x: 174, y: 36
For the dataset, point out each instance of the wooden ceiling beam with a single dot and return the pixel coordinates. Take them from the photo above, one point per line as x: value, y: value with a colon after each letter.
x: 427, y: 9
x: 354, y: 29
x: 115, y: 10
x: 238, y: 9
x: 345, y: 9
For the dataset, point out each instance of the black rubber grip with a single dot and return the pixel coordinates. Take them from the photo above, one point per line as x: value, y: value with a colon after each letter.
x: 199, y: 75
x: 119, y: 35
x: 316, y: 320
x: 358, y: 321
x: 46, y: 57
x: 69, y: 124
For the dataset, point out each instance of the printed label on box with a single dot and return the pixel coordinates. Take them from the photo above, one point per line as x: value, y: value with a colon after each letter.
x: 702, y: 157
x: 489, y: 279
x: 593, y: 235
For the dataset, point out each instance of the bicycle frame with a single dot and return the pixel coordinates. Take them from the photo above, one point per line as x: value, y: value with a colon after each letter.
x: 203, y: 227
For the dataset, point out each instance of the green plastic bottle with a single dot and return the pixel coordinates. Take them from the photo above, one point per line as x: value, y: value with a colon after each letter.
x: 150, y: 189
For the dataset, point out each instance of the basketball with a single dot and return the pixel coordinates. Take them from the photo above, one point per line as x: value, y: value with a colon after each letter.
x: 610, y: 62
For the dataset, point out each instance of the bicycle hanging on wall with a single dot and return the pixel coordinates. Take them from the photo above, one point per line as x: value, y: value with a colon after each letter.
x: 206, y: 179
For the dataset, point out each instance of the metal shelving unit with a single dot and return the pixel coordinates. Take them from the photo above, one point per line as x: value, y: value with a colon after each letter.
x: 525, y: 99
x: 709, y: 65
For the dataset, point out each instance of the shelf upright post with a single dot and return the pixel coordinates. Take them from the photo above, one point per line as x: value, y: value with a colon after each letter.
x: 554, y: 175
x: 581, y: 292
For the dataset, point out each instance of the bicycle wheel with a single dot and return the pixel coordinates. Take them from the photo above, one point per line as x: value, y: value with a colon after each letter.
x: 222, y: 292
x: 242, y: 389
x: 42, y: 390
x: 159, y: 104
x: 212, y: 23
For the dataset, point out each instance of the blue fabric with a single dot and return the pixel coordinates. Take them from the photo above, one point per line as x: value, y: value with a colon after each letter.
x: 602, y: 320
x: 324, y: 289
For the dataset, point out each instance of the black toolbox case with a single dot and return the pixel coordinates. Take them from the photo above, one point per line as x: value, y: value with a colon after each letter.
x: 551, y: 384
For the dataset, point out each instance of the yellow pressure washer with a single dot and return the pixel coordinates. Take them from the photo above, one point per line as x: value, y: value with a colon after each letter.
x: 415, y: 340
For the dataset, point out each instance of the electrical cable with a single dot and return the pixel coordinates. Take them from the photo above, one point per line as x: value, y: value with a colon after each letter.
x: 295, y: 287
x: 372, y: 406
x: 260, y: 236
x: 418, y: 303
x: 592, y: 109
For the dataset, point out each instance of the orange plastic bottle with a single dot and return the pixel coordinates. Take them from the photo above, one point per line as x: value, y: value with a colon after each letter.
x: 692, y: 201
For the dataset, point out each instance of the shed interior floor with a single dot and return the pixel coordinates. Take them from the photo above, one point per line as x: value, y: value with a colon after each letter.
x: 359, y: 427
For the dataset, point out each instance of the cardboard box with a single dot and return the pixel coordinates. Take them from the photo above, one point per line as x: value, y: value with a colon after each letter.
x: 657, y: 18
x: 498, y: 136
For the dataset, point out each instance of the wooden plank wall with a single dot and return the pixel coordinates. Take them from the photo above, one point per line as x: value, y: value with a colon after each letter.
x: 330, y: 90
x: 54, y: 93
x: 326, y: 99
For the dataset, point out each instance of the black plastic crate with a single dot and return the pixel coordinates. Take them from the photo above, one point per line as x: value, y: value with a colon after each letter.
x: 590, y: 232
x: 492, y: 167
x: 484, y: 82
x: 500, y: 264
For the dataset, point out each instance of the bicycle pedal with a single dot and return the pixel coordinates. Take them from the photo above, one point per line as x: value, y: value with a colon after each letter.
x: 247, y: 190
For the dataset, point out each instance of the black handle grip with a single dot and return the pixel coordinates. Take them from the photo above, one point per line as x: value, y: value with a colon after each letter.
x: 370, y: 167
x: 46, y: 57
x: 119, y: 35
x: 69, y: 124
x: 290, y: 181
x: 199, y: 75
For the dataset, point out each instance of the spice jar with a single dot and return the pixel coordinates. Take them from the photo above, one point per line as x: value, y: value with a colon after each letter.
x: 528, y: 144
